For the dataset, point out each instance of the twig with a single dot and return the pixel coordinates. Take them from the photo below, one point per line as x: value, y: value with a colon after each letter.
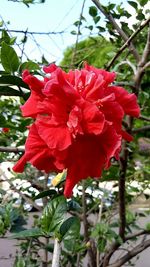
x: 132, y: 253
x: 123, y: 168
x: 119, y: 30
x: 141, y: 27
x: 11, y: 149
x: 35, y: 33
x: 91, y: 255
x: 26, y: 198
x: 144, y: 118
x: 77, y: 39
x: 114, y: 246
x: 147, y: 65
x: 142, y: 129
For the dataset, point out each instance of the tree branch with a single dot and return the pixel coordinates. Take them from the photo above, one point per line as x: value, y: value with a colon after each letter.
x: 141, y: 27
x: 114, y: 246
x: 91, y: 255
x: 132, y: 253
x: 33, y: 33
x: 142, y: 129
x: 119, y: 30
x: 11, y: 149
x: 77, y: 39
x: 143, y: 118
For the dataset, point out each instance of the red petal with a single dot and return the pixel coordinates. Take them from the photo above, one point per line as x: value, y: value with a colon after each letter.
x: 56, y: 137
x: 30, y: 108
x: 126, y: 100
x: 93, y: 119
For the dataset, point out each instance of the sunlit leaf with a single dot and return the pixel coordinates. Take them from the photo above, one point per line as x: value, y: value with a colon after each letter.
x: 9, y: 58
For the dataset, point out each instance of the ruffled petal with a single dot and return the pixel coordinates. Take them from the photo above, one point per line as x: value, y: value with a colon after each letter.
x: 126, y: 100
x: 56, y: 137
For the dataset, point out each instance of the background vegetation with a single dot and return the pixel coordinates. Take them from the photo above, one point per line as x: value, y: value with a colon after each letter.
x: 89, y: 228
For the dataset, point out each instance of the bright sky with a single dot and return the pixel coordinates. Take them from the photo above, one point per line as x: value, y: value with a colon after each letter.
x: 58, y: 15
x: 53, y: 15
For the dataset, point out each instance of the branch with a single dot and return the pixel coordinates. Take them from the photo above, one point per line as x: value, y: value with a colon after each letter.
x: 26, y: 198
x: 141, y: 27
x: 134, y: 235
x: 132, y: 253
x: 147, y: 47
x: 114, y: 246
x: 119, y: 30
x: 33, y: 33
x: 142, y: 129
x: 91, y: 255
x: 77, y: 39
x: 147, y: 65
x: 143, y: 118
x: 11, y: 149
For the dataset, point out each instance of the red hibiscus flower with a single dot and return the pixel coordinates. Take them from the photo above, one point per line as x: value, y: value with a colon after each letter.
x: 5, y: 130
x: 78, y: 122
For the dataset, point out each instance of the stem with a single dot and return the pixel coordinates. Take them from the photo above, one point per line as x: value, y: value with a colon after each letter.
x: 11, y: 149
x: 56, y: 253
x: 45, y: 261
x: 122, y: 216
x: 92, y: 259
x: 77, y: 39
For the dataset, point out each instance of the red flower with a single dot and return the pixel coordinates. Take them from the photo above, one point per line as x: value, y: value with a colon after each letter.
x: 78, y: 122
x: 5, y: 130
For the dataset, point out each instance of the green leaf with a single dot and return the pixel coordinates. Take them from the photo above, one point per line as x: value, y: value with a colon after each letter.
x: 46, y: 193
x: 143, y: 2
x: 35, y: 232
x: 8, y: 91
x: 73, y: 32
x: 19, y: 262
x: 133, y: 4
x: 93, y: 11
x: 71, y: 239
x: 12, y: 80
x: 96, y: 19
x: 148, y: 226
x: 53, y: 214
x: 66, y: 225
x: 1, y: 23
x: 140, y: 16
x: 5, y: 37
x: 29, y: 65
x: 9, y: 58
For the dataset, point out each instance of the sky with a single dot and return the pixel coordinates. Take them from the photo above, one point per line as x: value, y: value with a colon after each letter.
x: 53, y: 15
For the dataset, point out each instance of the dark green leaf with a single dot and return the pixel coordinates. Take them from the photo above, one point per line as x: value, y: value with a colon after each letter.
x: 9, y: 58
x: 74, y: 205
x: 143, y: 2
x: 140, y: 15
x: 12, y: 80
x: 5, y: 37
x: 53, y: 214
x: 66, y: 225
x: 133, y: 4
x: 93, y: 11
x: 35, y: 232
x: 73, y: 32
x: 8, y: 91
x: 96, y: 19
x: 101, y: 29
x: 46, y: 193
x: 77, y: 23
